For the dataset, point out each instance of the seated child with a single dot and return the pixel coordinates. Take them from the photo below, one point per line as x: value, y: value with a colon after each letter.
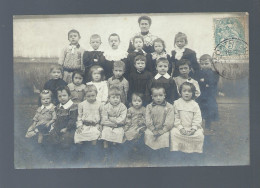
x: 139, y: 79
x: 65, y: 124
x: 93, y: 57
x: 135, y: 118
x: 77, y: 88
x: 55, y: 81
x: 44, y: 118
x: 163, y: 79
x: 187, y: 134
x: 71, y: 56
x: 118, y: 80
x: 97, y: 79
x: 159, y: 120
x: 113, y: 115
x: 88, y: 127
x: 184, y: 70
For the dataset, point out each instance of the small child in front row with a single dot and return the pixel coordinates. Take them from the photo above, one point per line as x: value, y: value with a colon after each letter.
x: 187, y: 134
x: 135, y: 119
x: 88, y: 122
x: 184, y: 70
x: 118, y: 80
x: 159, y: 120
x: 44, y: 118
x: 113, y: 115
x: 77, y: 88
x: 71, y: 56
x: 98, y: 79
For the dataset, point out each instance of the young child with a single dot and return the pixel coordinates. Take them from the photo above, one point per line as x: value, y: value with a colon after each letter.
x: 114, y: 54
x: 65, y: 125
x: 208, y: 82
x: 180, y: 52
x: 159, y: 52
x: 159, y: 120
x: 184, y: 70
x: 135, y: 118
x: 187, y: 134
x: 44, y: 118
x: 113, y: 115
x: 71, y: 56
x: 88, y: 127
x: 94, y: 57
x: 139, y: 78
x: 55, y: 81
x: 97, y: 77
x: 118, y: 80
x: 77, y: 88
x: 163, y: 79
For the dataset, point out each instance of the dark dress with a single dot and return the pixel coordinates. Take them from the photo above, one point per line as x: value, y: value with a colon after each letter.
x: 189, y: 55
x: 52, y: 85
x: 208, y: 81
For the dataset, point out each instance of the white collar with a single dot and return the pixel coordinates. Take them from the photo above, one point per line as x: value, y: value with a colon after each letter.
x: 98, y: 50
x: 167, y: 76
x: 67, y: 105
x: 141, y: 50
x: 179, y: 50
x: 47, y: 107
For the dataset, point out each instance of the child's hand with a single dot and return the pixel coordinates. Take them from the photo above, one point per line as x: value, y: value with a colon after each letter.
x: 99, y: 127
x: 183, y: 131
x: 161, y: 132
x: 64, y: 130
x: 155, y: 132
x: 79, y: 129
x: 191, y: 132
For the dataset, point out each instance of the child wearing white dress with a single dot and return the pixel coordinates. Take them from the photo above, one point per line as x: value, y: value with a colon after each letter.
x: 187, y: 134
x: 97, y: 77
x: 88, y: 122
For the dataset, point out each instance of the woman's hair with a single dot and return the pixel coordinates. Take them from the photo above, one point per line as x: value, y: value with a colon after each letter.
x: 140, y: 57
x: 157, y: 88
x: 79, y: 72
x: 138, y: 37
x: 114, y: 35
x: 145, y: 18
x: 161, y: 41
x: 183, y: 62
x: 205, y: 57
x: 181, y: 35
x: 66, y: 88
x: 162, y: 59
x: 95, y: 36
x: 120, y: 64
x: 114, y: 90
x: 138, y: 95
x: 192, y: 87
x: 73, y: 31
x: 99, y: 69
x: 45, y: 92
x: 90, y: 88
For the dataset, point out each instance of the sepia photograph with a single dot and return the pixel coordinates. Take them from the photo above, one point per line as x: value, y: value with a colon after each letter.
x: 131, y: 90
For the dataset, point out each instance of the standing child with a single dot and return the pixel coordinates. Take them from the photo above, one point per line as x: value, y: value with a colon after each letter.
x: 88, y: 127
x: 187, y: 134
x: 55, y: 81
x: 163, y: 79
x: 44, y: 118
x: 118, y: 80
x: 180, y: 52
x: 113, y: 115
x: 113, y: 54
x: 184, y: 70
x: 159, y: 120
x: 97, y: 79
x: 77, y: 88
x: 71, y: 56
x: 208, y: 82
x: 94, y: 57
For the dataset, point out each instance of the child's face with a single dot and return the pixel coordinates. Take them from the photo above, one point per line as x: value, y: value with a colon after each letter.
x: 96, y: 76
x: 46, y: 99
x: 162, y: 68
x: 91, y: 96
x: 206, y: 64
x: 74, y: 38
x: 186, y: 93
x: 136, y: 102
x: 184, y: 70
x: 138, y: 44
x: 78, y: 79
x: 158, y: 47
x: 95, y: 43
x: 114, y: 42
x: 63, y: 96
x: 140, y: 65
x: 180, y: 42
x: 158, y: 96
x: 118, y: 72
x: 144, y: 25
x: 56, y: 74
x: 114, y: 100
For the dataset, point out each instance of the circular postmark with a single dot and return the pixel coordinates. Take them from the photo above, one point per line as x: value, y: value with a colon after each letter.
x: 231, y: 58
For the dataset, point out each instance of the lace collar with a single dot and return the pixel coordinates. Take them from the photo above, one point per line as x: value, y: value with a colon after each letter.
x: 115, y: 55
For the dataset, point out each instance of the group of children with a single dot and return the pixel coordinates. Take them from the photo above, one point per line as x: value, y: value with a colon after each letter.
x: 117, y: 96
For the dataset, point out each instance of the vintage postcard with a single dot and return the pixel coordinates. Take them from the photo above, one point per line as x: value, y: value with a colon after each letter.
x: 131, y: 90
